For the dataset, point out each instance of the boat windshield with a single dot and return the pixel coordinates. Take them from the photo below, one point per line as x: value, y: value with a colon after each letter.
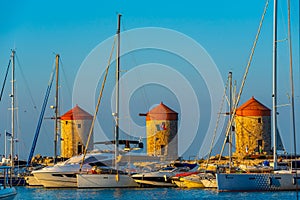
x: 88, y: 159
x: 167, y: 169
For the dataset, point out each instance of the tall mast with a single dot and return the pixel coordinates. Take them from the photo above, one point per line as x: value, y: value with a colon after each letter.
x: 274, y: 95
x: 292, y: 80
x: 56, y: 107
x: 230, y: 116
x: 117, y: 93
x: 12, y: 108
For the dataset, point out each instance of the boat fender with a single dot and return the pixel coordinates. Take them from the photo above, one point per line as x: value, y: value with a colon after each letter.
x: 165, y: 176
x: 295, y: 180
x: 270, y: 180
x: 93, y: 170
x: 117, y: 177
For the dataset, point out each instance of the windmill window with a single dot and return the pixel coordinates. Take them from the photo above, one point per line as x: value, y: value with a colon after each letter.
x: 232, y: 128
x: 259, y: 120
x: 66, y: 122
x: 79, y: 125
x: 157, y: 127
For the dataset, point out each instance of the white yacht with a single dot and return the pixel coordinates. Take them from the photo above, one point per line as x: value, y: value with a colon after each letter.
x: 64, y: 174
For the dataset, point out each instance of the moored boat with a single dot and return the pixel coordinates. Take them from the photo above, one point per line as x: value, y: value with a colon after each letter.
x: 277, y: 179
x: 105, y: 177
x: 160, y: 178
x: 64, y: 174
x: 281, y: 180
x: 7, y: 191
x: 178, y: 178
x: 200, y: 180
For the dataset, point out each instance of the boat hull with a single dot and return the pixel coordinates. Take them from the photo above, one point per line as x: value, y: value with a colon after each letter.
x: 179, y: 182
x: 149, y: 183
x: 7, y: 193
x: 57, y: 180
x: 257, y: 182
x: 192, y: 181
x: 32, y: 181
x: 16, y: 180
x: 200, y: 180
x: 105, y: 181
x: 209, y: 183
x: 154, y: 179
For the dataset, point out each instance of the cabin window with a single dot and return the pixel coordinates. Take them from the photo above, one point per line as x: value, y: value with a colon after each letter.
x: 78, y: 125
x: 259, y: 120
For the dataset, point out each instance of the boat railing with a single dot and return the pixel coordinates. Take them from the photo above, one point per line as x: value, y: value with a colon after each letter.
x: 6, y: 171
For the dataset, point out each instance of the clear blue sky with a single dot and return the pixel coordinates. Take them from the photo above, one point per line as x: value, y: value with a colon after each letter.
x: 225, y: 29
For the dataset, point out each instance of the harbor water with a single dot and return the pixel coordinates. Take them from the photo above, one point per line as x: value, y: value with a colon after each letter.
x: 145, y: 193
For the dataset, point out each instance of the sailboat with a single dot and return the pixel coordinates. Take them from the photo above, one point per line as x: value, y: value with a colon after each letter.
x: 205, y: 178
x: 276, y: 180
x: 6, y: 189
x: 30, y: 179
x: 63, y: 174
x: 107, y: 177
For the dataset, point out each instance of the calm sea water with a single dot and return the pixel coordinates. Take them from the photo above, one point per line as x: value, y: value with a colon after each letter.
x: 142, y: 193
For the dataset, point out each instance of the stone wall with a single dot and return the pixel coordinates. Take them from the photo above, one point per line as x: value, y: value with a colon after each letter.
x: 74, y: 135
x: 253, y: 135
x: 162, y: 139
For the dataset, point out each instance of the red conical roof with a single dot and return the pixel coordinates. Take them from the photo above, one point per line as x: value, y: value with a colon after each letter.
x: 76, y: 113
x: 161, y: 112
x: 253, y: 108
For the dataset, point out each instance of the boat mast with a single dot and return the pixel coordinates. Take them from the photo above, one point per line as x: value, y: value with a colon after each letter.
x: 12, y: 109
x: 56, y: 107
x: 274, y: 95
x: 292, y: 82
x: 117, y: 93
x: 230, y: 116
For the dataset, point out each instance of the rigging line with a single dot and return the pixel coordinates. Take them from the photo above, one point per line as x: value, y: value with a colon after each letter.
x: 52, y: 74
x: 98, y: 104
x: 144, y: 93
x: 46, y: 130
x: 217, y: 123
x: 41, y: 117
x: 64, y: 74
x: 292, y: 90
x: 244, y: 78
x: 26, y: 85
x: 5, y: 79
x: 284, y: 24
